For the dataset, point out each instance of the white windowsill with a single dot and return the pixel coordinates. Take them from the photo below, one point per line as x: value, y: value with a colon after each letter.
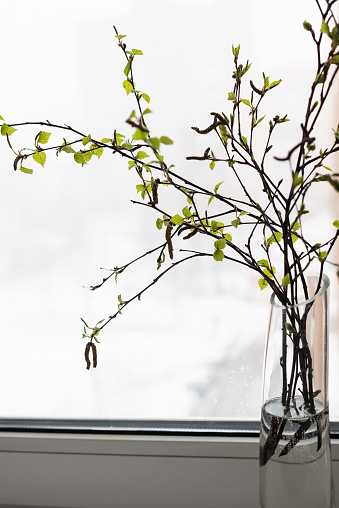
x: 99, y: 471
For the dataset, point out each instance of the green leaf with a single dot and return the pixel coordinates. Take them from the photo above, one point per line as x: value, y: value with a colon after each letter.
x: 307, y: 26
x: 82, y: 157
x: 140, y: 135
x: 127, y: 86
x: 235, y: 223
x: 127, y: 68
x: 177, y: 220
x: 264, y: 263
x: 28, y: 171
x: 328, y: 178
x: 275, y: 238
x: 218, y: 255
x: 216, y: 227
x: 322, y: 255
x: 290, y: 328
x: 43, y: 137
x: 86, y: 139
x: 147, y: 111
x: 294, y: 238
x: 246, y: 101
x: 235, y: 50
x: 223, y: 131
x: 120, y: 37
x: 335, y: 59
x: 262, y: 284
x: 313, y: 108
x: 273, y: 84
x: 137, y: 52
x: 186, y: 212
x: 295, y: 226
x: 97, y: 150
x: 231, y: 96
x: 141, y: 155
x: 297, y: 180
x: 335, y: 36
x: 210, y: 200
x: 1, y: 118
x: 155, y: 142
x: 228, y: 237
x: 212, y: 165
x: 243, y: 213
x: 243, y: 140
x: 220, y: 244
x: 336, y: 223
x: 325, y: 28
x: 7, y: 130
x: 127, y: 146
x: 67, y: 148
x: 285, y: 281
x: 40, y: 158
x: 118, y: 138
x: 146, y: 97
x: 217, y: 187
x: 269, y: 272
x: 159, y: 223
x: 320, y: 78
x: 260, y: 120
x: 166, y: 141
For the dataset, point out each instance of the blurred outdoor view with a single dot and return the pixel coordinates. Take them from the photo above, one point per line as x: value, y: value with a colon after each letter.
x: 193, y: 346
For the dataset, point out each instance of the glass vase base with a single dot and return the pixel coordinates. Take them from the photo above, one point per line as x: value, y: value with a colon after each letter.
x: 295, y: 460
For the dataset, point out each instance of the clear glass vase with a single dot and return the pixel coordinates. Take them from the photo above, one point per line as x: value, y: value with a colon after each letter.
x: 295, y: 452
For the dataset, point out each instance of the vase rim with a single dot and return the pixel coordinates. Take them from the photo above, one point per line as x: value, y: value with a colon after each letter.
x: 326, y: 283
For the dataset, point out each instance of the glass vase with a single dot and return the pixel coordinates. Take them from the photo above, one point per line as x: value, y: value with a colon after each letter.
x: 295, y: 452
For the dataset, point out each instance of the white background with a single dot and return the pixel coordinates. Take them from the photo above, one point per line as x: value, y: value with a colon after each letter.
x: 194, y: 345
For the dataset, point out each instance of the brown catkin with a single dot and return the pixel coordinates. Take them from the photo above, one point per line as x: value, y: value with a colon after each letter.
x: 204, y: 131
x: 169, y: 239
x: 192, y: 233
x: 95, y: 356
x: 88, y: 347
x: 155, y: 191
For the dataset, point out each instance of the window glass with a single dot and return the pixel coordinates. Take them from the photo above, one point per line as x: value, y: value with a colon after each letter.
x: 193, y: 347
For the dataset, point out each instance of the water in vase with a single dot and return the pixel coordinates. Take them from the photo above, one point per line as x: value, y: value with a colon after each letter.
x: 295, y: 457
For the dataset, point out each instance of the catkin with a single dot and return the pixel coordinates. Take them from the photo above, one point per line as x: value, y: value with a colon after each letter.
x: 155, y: 191
x: 95, y: 356
x: 192, y: 233
x: 169, y: 239
x: 204, y: 131
x: 88, y: 347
